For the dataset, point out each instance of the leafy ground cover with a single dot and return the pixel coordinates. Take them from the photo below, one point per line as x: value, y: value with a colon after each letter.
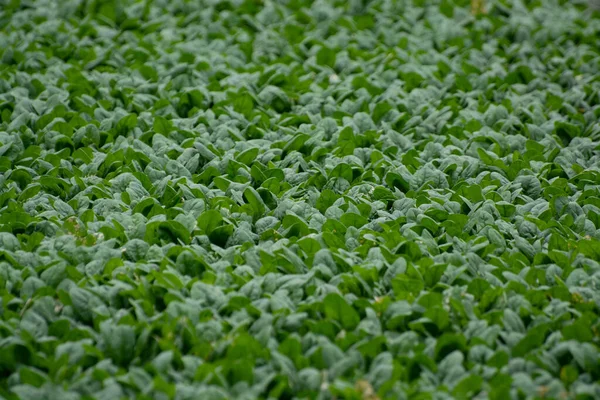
x: 294, y: 199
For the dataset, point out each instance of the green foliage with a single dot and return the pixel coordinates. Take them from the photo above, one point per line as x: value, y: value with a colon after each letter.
x: 299, y: 200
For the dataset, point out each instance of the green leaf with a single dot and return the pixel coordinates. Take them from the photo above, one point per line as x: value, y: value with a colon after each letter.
x: 209, y: 220
x: 447, y: 343
x: 126, y: 124
x: 326, y: 57
x: 162, y: 125
x: 255, y: 201
x: 352, y: 219
x: 119, y: 342
x: 337, y: 309
x: 533, y: 339
x: 580, y: 330
x: 566, y: 131
x: 170, y: 231
x: 403, y: 284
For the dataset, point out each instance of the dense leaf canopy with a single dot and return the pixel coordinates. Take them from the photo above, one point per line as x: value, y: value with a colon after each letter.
x: 294, y: 199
